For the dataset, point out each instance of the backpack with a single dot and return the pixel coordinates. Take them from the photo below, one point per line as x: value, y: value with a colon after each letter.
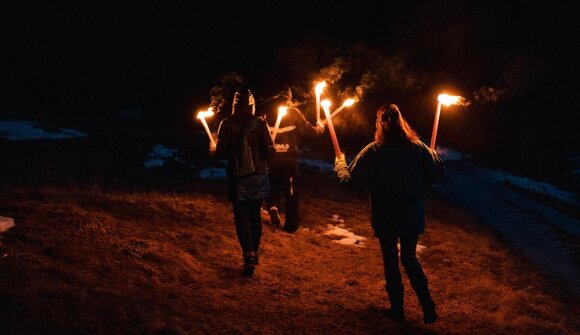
x: 243, y: 160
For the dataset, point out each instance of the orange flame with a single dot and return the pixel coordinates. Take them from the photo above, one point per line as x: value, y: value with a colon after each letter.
x: 448, y: 100
x: 319, y: 87
x: 204, y: 114
x: 348, y: 102
x: 325, y: 104
x: 282, y: 111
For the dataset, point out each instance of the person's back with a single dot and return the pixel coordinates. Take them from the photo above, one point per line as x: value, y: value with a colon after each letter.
x: 395, y: 168
x: 245, y: 141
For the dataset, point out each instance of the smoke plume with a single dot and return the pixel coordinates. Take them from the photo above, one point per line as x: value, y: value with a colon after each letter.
x: 224, y: 90
x: 513, y: 80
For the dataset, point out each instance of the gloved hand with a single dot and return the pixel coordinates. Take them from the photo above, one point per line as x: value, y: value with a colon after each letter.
x: 340, y: 159
x: 319, y: 127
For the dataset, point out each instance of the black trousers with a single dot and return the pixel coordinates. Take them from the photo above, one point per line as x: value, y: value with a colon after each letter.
x: 283, y: 175
x: 412, y: 267
x: 248, y: 224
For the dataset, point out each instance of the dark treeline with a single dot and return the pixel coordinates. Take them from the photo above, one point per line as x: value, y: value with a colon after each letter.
x: 512, y: 61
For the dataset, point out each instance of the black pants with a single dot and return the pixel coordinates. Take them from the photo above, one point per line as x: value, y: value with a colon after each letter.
x: 248, y: 224
x: 283, y: 174
x: 412, y: 267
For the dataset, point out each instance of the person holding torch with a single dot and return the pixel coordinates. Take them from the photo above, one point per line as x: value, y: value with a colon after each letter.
x: 284, y: 170
x: 395, y: 168
x: 244, y: 139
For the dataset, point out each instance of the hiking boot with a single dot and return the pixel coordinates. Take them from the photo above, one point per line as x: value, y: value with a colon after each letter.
x: 396, y: 312
x: 248, y: 270
x: 250, y: 261
x: 274, y: 216
x: 429, y: 313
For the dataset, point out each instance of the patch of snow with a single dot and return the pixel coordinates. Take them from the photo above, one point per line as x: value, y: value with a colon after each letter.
x: 448, y: 154
x: 316, y: 164
x: 346, y: 236
x: 212, y: 173
x: 535, y: 186
x: 158, y: 155
x: 24, y: 130
x: 336, y: 218
x: 542, y: 232
x: 6, y: 223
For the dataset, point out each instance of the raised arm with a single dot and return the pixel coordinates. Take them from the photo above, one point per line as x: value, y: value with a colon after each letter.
x: 304, y: 126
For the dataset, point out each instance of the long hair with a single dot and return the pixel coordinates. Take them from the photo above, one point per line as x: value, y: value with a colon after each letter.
x: 392, y: 129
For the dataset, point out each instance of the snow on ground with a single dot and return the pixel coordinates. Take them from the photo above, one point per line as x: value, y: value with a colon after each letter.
x: 24, y: 130
x: 158, y: 155
x: 542, y: 232
x: 537, y: 187
x: 316, y: 164
x: 212, y: 173
x: 346, y: 237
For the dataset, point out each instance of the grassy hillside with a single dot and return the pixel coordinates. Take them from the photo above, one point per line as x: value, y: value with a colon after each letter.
x: 84, y: 261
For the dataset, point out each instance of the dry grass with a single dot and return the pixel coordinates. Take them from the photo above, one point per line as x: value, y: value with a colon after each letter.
x: 83, y: 261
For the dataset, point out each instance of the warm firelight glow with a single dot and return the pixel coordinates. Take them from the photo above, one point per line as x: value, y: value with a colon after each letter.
x: 326, y: 106
x: 282, y: 110
x: 448, y: 100
x: 204, y: 114
x: 348, y: 102
x: 201, y: 115
x: 320, y: 87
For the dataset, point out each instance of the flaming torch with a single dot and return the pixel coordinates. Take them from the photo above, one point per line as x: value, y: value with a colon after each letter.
x: 201, y: 116
x: 346, y: 103
x: 318, y: 89
x: 326, y: 105
x: 281, y: 112
x: 447, y: 100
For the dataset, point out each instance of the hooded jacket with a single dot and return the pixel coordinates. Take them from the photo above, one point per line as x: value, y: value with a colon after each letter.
x: 245, y: 141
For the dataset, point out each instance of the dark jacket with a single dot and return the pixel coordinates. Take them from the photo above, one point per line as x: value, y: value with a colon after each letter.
x: 396, y: 177
x: 245, y: 141
x: 293, y: 125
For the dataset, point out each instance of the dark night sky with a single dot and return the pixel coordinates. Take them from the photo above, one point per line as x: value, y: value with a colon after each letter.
x: 78, y: 58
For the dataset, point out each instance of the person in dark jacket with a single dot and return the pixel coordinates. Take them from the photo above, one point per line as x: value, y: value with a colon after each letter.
x: 395, y: 168
x: 284, y: 169
x: 244, y: 139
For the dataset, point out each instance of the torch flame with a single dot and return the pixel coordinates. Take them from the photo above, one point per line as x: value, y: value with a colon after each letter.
x: 348, y: 102
x: 447, y: 100
x: 319, y: 87
x: 326, y: 104
x: 204, y: 114
x: 282, y: 111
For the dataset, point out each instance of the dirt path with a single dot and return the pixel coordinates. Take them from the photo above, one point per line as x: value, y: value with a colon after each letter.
x: 85, y: 262
x: 550, y: 238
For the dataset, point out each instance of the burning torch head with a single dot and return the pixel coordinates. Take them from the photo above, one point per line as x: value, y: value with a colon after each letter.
x: 326, y: 104
x: 204, y: 114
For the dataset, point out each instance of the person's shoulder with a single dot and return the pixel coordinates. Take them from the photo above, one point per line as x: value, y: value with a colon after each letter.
x: 372, y: 147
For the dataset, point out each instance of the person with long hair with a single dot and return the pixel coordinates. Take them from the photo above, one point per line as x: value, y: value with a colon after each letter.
x: 395, y: 168
x: 245, y: 140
